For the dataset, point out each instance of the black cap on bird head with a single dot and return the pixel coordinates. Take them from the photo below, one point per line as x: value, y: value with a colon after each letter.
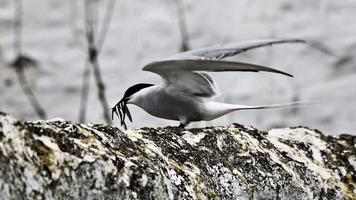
x: 121, y: 109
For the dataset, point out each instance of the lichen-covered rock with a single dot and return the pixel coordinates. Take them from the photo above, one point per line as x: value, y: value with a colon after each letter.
x: 57, y: 159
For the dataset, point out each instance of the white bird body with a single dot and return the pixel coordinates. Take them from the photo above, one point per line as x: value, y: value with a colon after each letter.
x: 186, y: 93
x: 187, y: 108
x: 181, y: 108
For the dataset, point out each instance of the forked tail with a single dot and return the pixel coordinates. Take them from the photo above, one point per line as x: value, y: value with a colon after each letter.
x: 216, y: 109
x: 282, y: 105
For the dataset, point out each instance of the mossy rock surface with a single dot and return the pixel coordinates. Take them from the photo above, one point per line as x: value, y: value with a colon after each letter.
x: 58, y: 159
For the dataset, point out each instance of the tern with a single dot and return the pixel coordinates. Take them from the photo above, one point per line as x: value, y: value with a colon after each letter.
x: 187, y: 90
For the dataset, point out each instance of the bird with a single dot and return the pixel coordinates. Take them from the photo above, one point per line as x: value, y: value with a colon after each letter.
x: 187, y: 92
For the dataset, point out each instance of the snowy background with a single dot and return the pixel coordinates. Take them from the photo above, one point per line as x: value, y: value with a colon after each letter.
x: 143, y: 31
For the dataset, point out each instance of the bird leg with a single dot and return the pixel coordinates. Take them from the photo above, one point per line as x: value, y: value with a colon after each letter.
x: 183, y: 122
x: 181, y: 125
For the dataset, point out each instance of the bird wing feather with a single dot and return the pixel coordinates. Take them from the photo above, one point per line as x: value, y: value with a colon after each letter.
x: 187, y: 77
x: 162, y: 67
x: 188, y: 83
x: 223, y: 51
x: 183, y: 73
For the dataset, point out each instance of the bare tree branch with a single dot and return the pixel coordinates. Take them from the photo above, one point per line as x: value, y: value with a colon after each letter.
x: 84, y: 92
x: 182, y: 25
x: 18, y: 27
x: 77, y: 40
x: 21, y: 61
x: 101, y: 90
x: 106, y: 24
x: 93, y: 52
x: 30, y: 95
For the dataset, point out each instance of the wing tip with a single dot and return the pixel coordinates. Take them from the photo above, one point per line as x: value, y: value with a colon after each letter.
x: 287, y: 74
x: 292, y: 40
x: 148, y: 66
x: 301, y: 41
x: 153, y: 65
x: 282, y: 72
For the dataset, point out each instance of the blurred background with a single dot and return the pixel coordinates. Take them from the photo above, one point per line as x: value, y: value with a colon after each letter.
x: 54, y: 55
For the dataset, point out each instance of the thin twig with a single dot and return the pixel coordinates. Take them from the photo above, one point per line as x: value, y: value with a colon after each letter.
x: 18, y: 27
x: 182, y: 25
x: 29, y: 94
x: 21, y: 61
x: 84, y: 92
x: 87, y: 67
x: 93, y: 57
x: 73, y: 13
x: 106, y: 24
x: 101, y: 91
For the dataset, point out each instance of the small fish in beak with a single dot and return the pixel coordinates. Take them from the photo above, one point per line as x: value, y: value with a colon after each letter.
x: 121, y: 110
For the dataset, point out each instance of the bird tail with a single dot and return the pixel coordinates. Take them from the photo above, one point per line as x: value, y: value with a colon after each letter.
x: 281, y: 105
x: 217, y: 109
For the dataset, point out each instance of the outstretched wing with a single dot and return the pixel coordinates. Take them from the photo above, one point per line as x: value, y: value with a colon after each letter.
x: 186, y: 77
x: 165, y: 66
x: 182, y: 73
x: 223, y: 51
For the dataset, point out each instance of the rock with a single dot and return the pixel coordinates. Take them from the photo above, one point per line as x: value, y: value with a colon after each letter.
x: 57, y: 159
